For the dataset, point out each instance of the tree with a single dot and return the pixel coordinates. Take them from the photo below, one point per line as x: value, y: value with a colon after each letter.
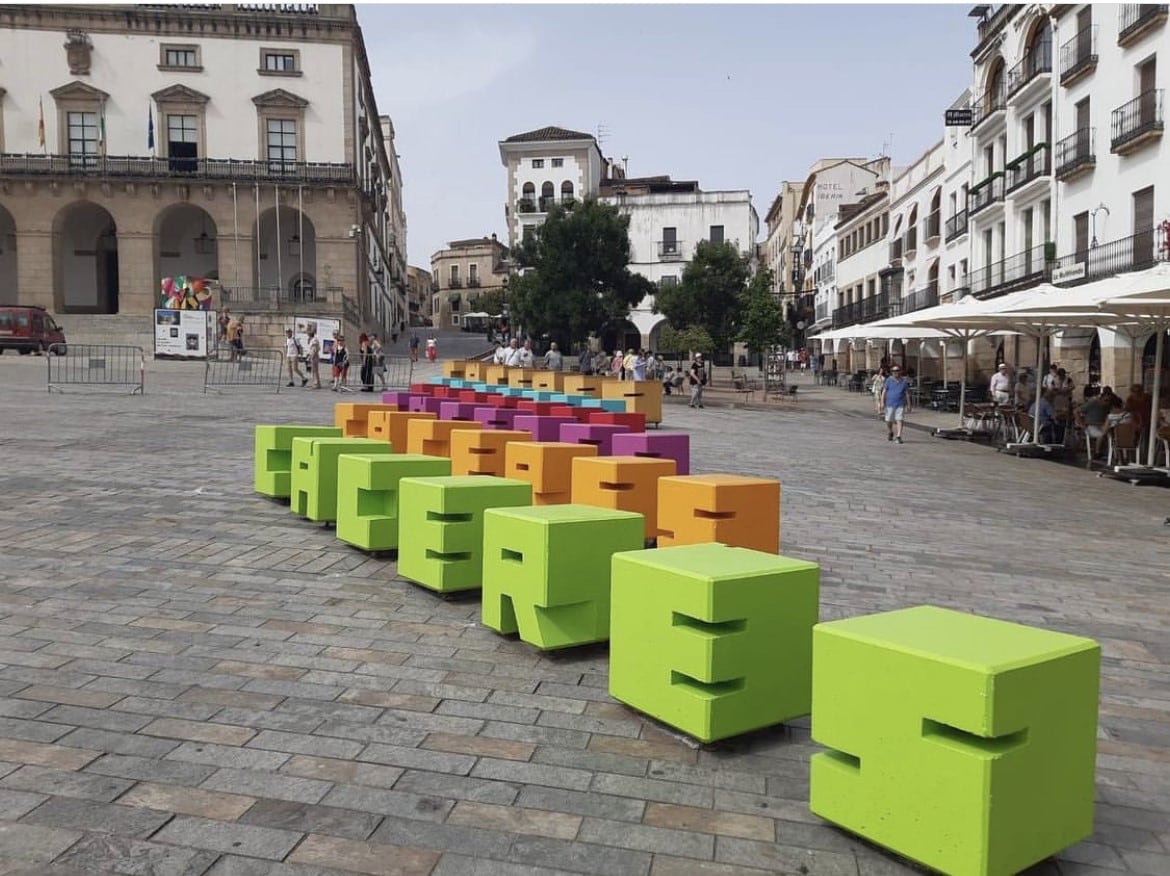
x: 576, y: 279
x: 692, y: 339
x: 708, y: 294
x: 761, y: 322
x: 490, y: 301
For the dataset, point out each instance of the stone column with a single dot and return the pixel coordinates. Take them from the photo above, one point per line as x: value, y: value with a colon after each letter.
x: 34, y: 268
x: 137, y: 293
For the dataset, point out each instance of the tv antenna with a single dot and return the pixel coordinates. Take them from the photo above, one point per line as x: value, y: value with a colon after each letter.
x: 602, y: 133
x: 888, y: 146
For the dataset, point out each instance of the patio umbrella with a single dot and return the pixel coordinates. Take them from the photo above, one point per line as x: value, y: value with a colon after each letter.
x: 1137, y: 301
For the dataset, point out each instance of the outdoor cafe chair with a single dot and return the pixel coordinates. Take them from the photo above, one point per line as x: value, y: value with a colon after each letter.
x: 1122, y: 443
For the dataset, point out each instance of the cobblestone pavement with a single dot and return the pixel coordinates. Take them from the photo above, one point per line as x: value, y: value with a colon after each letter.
x: 194, y: 682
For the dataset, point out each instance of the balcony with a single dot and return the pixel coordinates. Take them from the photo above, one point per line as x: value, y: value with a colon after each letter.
x: 867, y: 310
x: 669, y: 250
x: 1019, y: 271
x: 134, y: 167
x: 1037, y: 62
x: 526, y: 205
x: 1137, y: 19
x: 1137, y: 123
x: 921, y: 299
x: 910, y: 247
x: 1135, y: 253
x: 992, y: 105
x: 930, y: 228
x: 473, y: 282
x: 956, y: 226
x: 455, y: 283
x: 985, y: 194
x: 277, y: 298
x: 896, y: 249
x: 1033, y: 164
x: 1078, y: 57
x: 1074, y: 154
x: 546, y: 204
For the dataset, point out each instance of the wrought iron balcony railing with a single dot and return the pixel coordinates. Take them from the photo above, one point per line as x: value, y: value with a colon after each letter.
x: 896, y: 249
x: 992, y: 103
x: 1138, y: 120
x: 1015, y: 272
x: 1134, y: 253
x: 275, y: 297
x: 1079, y: 55
x: 923, y: 298
x: 956, y: 226
x: 985, y: 194
x: 1075, y: 153
x: 1036, y: 61
x: 1033, y: 164
x: 911, y: 241
x: 669, y: 250
x: 1134, y: 18
x: 138, y: 167
x: 867, y: 310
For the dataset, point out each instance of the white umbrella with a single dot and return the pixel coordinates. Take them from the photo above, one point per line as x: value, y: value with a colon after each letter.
x: 1139, y: 300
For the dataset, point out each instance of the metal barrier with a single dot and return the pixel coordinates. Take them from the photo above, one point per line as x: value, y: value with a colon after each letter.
x: 96, y: 365
x: 399, y: 371
x: 253, y: 368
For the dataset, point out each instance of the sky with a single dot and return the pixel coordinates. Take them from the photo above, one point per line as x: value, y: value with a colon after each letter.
x: 734, y: 96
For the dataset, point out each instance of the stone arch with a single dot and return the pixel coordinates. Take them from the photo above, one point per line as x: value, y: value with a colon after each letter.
x: 186, y: 243
x: 287, y: 254
x: 85, y: 259
x: 993, y: 84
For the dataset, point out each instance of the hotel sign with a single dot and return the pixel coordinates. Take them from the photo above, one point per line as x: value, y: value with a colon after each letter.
x: 958, y: 118
x: 1075, y: 271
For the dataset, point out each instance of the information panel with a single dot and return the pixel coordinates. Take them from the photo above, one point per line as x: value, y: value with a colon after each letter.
x: 183, y: 334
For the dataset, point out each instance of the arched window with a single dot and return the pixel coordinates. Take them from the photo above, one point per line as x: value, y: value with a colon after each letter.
x: 566, y: 191
x: 528, y: 199
x: 912, y: 231
x: 547, y: 193
x: 993, y: 94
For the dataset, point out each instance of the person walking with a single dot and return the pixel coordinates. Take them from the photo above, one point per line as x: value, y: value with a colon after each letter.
x: 379, y: 352
x: 235, y: 336
x: 340, y: 363
x: 527, y: 357
x: 553, y: 360
x: 292, y: 356
x: 512, y: 360
x: 875, y: 388
x: 432, y: 349
x: 895, y: 399
x: 414, y: 346
x: 640, y: 366
x: 697, y: 378
x: 366, y: 362
x: 1000, y: 385
x: 314, y: 362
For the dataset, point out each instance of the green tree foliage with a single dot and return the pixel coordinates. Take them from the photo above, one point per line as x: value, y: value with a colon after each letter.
x: 692, y: 339
x: 490, y: 301
x: 761, y: 321
x: 708, y: 295
x: 577, y: 281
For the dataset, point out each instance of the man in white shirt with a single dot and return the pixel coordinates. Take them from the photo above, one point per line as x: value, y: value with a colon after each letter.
x: 1001, y: 385
x: 500, y: 357
x: 527, y: 357
x: 513, y: 359
x: 292, y: 353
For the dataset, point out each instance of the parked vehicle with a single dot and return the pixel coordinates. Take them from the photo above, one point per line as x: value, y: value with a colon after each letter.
x: 29, y: 330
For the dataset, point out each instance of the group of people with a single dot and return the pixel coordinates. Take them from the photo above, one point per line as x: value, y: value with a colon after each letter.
x: 630, y: 365
x: 371, y: 360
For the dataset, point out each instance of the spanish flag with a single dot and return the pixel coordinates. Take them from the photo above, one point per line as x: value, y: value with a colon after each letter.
x: 41, y: 124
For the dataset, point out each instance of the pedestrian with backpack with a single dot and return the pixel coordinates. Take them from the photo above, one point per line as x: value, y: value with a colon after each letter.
x: 697, y: 378
x: 292, y: 358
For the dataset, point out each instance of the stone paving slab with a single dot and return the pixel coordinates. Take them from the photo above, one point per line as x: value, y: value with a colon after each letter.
x: 195, y: 683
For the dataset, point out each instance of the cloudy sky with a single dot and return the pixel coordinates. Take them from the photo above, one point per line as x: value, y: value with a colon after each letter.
x: 736, y: 97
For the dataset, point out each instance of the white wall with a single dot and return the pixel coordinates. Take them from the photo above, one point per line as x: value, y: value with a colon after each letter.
x: 32, y: 63
x: 692, y: 214
x: 1116, y: 177
x: 912, y: 193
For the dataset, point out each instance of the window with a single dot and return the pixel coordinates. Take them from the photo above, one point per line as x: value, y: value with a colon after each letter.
x: 1143, y: 227
x: 473, y: 275
x: 669, y: 241
x: 668, y: 280
x: 183, y: 141
x: 558, y: 162
x: 454, y: 274
x: 716, y: 235
x: 538, y: 163
x: 282, y: 143
x: 1081, y: 234
x: 83, y: 138
x: 280, y: 62
x: 180, y: 57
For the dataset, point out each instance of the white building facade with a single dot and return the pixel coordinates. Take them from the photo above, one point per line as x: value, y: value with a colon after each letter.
x: 668, y: 220
x: 547, y: 166
x: 236, y: 143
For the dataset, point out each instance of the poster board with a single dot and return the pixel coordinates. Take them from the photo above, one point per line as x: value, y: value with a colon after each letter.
x: 183, y: 334
x: 326, y: 329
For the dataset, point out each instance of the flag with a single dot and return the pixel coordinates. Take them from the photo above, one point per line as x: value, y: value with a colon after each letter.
x: 41, y: 124
x: 102, y: 132
x: 150, y: 127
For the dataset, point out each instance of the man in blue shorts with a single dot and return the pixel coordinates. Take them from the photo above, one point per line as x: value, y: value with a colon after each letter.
x: 896, y: 402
